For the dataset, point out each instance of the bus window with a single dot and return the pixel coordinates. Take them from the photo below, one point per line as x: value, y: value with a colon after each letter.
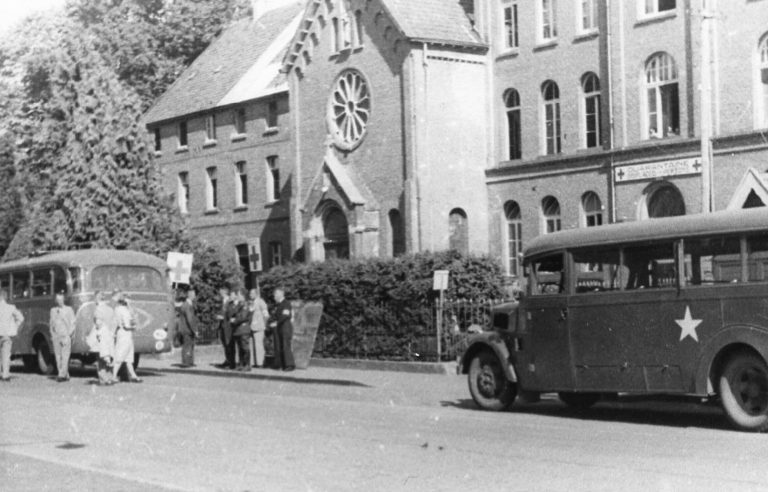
x: 76, y: 278
x: 59, y: 281
x: 5, y: 282
x: 597, y: 270
x: 651, y: 266
x: 20, y: 285
x: 41, y: 283
x: 757, y: 258
x: 711, y: 261
x: 548, y: 275
x: 127, y: 278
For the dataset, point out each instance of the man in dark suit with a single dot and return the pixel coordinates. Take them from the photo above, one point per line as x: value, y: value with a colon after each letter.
x: 281, y: 322
x: 225, y: 330
x: 188, y: 326
x: 240, y: 323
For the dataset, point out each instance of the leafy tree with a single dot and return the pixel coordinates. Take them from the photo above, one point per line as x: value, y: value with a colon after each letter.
x: 10, y: 201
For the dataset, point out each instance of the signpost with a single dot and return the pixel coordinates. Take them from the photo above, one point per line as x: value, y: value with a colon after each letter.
x: 440, y: 283
x: 180, y: 266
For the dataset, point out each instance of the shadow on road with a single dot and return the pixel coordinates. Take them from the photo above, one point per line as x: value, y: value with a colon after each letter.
x: 266, y: 377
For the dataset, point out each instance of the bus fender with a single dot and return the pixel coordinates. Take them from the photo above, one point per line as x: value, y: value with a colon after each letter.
x: 488, y: 341
x: 718, y: 347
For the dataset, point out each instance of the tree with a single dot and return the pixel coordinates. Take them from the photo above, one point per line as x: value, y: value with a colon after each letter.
x: 10, y: 201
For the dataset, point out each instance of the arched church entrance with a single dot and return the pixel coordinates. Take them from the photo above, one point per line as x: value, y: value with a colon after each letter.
x: 662, y: 200
x: 336, y: 233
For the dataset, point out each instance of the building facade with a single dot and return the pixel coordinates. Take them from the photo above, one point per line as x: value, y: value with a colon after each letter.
x: 475, y: 125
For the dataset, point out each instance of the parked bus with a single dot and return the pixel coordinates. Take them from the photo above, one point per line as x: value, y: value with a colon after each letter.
x: 665, y: 306
x: 32, y: 283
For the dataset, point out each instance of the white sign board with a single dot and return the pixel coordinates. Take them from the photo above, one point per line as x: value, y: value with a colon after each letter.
x: 180, y: 266
x: 254, y: 254
x: 653, y: 170
x: 440, y: 280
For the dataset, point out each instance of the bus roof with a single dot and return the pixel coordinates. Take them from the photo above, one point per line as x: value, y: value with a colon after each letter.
x: 86, y: 258
x: 724, y: 222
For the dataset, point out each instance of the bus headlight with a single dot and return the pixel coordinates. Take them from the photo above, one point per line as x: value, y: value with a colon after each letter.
x: 159, y: 346
x: 160, y: 334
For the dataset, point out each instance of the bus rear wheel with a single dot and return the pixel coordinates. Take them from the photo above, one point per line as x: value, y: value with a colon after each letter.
x: 578, y: 400
x: 488, y: 384
x: 45, y: 361
x: 743, y: 389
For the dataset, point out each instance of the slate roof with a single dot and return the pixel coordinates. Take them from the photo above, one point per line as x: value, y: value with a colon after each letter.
x: 433, y: 20
x: 216, y: 72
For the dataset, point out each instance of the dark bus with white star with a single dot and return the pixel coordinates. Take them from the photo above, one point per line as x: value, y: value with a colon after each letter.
x: 675, y: 306
x: 33, y: 282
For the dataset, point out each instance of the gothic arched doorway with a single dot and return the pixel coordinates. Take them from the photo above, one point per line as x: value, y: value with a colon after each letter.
x: 336, y: 234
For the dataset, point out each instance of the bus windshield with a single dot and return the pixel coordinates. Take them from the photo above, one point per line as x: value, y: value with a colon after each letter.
x: 128, y: 278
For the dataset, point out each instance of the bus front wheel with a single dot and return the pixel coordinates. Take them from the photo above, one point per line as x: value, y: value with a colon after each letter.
x: 744, y: 391
x: 45, y: 362
x: 488, y: 384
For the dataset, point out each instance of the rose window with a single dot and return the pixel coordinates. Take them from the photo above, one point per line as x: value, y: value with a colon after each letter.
x: 349, y: 109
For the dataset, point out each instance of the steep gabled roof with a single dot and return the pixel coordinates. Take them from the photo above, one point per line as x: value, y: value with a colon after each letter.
x: 438, y: 21
x: 247, y: 49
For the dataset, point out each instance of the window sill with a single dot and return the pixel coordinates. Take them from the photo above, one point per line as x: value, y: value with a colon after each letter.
x: 272, y: 204
x: 241, y: 208
x: 272, y: 130
x: 508, y: 53
x: 158, y: 153
x: 586, y: 35
x: 545, y: 44
x: 645, y: 19
x: 212, y: 211
x: 182, y: 148
x: 238, y: 137
x: 210, y: 143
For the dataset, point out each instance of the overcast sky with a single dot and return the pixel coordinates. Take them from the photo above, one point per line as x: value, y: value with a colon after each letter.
x: 12, y: 11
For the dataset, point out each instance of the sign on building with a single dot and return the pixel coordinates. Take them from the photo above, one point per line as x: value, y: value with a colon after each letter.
x: 662, y: 169
x: 254, y: 255
x: 180, y: 266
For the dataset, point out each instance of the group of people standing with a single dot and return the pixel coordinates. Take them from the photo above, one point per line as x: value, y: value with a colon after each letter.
x: 112, y: 337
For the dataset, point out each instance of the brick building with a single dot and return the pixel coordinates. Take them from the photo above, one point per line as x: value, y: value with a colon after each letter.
x: 467, y: 124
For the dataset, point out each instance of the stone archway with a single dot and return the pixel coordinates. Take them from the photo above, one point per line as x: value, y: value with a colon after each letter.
x: 661, y: 199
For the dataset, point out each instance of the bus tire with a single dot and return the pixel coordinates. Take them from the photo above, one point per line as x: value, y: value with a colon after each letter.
x: 743, y: 387
x: 488, y: 385
x: 580, y: 401
x: 45, y: 361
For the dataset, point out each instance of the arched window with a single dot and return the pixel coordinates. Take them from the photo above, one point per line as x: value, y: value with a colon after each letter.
x: 397, y: 229
x: 458, y: 231
x: 514, y: 237
x: 514, y: 131
x: 662, y: 97
x: 550, y: 210
x: 336, y: 232
x: 592, y: 209
x: 550, y: 95
x: 762, y: 82
x: 590, y: 87
x: 664, y: 200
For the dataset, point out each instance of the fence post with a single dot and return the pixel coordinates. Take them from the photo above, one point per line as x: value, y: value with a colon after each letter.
x: 439, y: 324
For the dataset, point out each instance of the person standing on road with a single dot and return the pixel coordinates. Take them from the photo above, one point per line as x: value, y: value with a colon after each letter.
x: 125, y: 324
x: 259, y: 315
x: 62, y: 326
x: 239, y: 319
x: 187, y: 326
x: 281, y: 322
x: 103, y: 325
x: 10, y: 321
x: 225, y: 330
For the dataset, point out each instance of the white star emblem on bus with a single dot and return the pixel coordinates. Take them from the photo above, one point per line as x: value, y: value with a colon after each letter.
x: 688, y: 325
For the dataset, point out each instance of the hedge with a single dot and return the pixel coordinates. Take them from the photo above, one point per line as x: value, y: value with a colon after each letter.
x: 380, y: 308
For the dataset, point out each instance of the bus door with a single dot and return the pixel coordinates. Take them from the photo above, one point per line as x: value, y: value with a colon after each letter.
x: 547, y: 319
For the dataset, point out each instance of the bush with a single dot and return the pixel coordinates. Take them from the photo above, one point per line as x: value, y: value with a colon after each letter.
x: 380, y: 308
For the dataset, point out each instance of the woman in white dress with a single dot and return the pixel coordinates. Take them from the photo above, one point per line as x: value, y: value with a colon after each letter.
x: 125, y: 324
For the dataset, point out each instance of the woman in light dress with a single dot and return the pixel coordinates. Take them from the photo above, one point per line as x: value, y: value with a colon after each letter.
x: 125, y: 323
x: 259, y: 315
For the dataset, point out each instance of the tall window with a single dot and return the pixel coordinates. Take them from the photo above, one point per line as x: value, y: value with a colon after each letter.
x: 763, y: 81
x: 211, y: 191
x: 241, y: 184
x: 658, y: 6
x: 210, y: 128
x: 590, y: 86
x: 158, y: 140
x: 272, y: 114
x: 458, y: 231
x: 358, y: 28
x: 239, y: 123
x: 514, y: 131
x: 182, y: 192
x: 183, y: 134
x: 243, y: 257
x: 273, y: 178
x: 514, y: 237
x: 592, y: 209
x: 276, y: 253
x: 550, y: 210
x: 587, y: 15
x: 510, y: 34
x: 547, y: 20
x: 397, y: 228
x: 550, y: 94
x: 663, y: 102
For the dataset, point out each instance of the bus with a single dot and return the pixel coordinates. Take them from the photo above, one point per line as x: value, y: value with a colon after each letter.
x: 674, y: 306
x: 33, y: 282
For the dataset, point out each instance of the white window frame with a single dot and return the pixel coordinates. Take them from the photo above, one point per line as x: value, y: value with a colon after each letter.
x: 241, y: 184
x: 587, y: 11
x: 273, y: 113
x: 557, y: 121
x: 583, y: 103
x: 513, y: 6
x: 760, y: 86
x: 586, y: 214
x: 650, y: 8
x: 513, y: 109
x: 211, y: 190
x: 664, y: 74
x: 546, y: 21
x: 183, y: 125
x: 210, y: 129
x: 272, y: 164
x: 513, y: 246
x: 182, y: 192
x: 556, y: 221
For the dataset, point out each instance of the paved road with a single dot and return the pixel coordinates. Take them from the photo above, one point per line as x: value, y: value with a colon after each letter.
x: 337, y: 430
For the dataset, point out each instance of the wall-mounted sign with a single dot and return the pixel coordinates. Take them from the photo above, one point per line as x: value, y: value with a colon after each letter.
x: 662, y: 169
